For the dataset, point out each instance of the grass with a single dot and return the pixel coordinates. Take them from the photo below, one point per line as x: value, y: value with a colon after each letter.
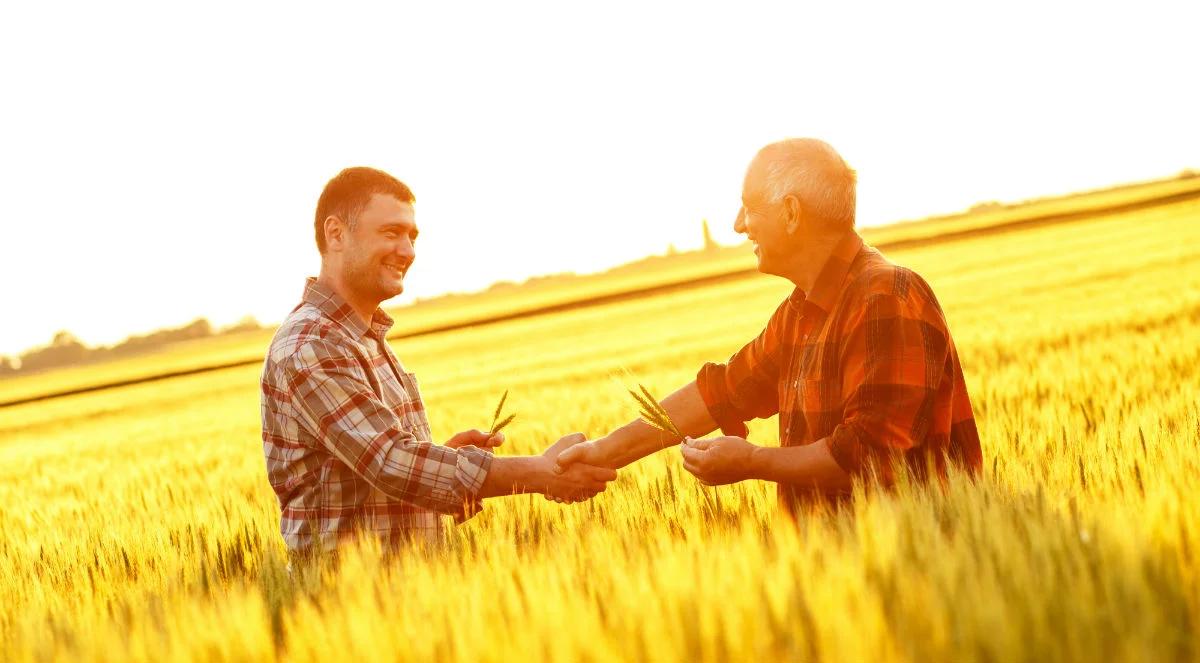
x: 138, y: 523
x: 653, y: 413
x: 499, y: 424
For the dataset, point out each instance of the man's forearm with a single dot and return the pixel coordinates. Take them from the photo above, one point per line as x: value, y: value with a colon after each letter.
x: 510, y: 475
x: 638, y: 439
x: 809, y: 465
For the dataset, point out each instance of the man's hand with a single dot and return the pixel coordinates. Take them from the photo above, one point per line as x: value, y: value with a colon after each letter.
x: 638, y: 439
x: 718, y: 460
x: 585, y: 452
x: 578, y: 479
x: 475, y: 437
x: 510, y: 475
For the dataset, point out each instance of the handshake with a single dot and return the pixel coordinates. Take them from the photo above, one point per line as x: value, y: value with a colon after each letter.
x: 556, y: 473
x: 575, y: 469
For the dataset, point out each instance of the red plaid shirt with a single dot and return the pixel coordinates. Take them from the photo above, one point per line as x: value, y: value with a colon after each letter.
x: 865, y: 361
x: 345, y: 435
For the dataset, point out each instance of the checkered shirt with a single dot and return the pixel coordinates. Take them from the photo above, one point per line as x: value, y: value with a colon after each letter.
x: 345, y: 435
x: 865, y: 361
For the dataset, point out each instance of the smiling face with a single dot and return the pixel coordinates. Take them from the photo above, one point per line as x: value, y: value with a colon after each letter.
x: 378, y: 250
x: 765, y: 223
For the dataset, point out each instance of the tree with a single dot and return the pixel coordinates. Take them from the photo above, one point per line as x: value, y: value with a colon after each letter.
x: 247, y: 323
x: 198, y: 328
x: 64, y: 339
x: 64, y: 349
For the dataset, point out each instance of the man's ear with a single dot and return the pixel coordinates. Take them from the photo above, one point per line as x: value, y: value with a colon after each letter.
x: 793, y: 214
x: 334, y: 231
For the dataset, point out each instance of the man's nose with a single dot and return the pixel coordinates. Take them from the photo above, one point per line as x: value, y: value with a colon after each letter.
x: 406, y: 249
x: 739, y: 224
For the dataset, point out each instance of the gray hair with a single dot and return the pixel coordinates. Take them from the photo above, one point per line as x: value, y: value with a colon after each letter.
x: 815, y: 173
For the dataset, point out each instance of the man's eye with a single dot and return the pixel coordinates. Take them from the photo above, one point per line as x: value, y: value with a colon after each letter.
x: 390, y: 234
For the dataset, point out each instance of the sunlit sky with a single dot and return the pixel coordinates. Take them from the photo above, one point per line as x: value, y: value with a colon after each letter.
x: 162, y: 162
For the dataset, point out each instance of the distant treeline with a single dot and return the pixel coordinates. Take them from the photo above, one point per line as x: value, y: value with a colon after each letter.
x: 67, y: 350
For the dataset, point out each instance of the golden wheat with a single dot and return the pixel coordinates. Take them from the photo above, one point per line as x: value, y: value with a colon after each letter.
x: 137, y: 523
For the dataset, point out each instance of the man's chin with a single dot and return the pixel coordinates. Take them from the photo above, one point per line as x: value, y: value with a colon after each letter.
x: 762, y: 265
x: 389, y: 289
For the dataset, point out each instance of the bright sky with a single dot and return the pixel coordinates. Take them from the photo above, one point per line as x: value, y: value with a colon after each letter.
x: 161, y: 163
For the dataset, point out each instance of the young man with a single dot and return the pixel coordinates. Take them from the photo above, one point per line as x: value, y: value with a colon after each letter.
x: 345, y: 434
x: 858, y: 361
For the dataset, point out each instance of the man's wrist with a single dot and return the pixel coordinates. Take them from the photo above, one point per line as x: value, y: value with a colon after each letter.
x: 618, y: 449
x: 758, y: 466
x: 510, y: 475
x: 606, y: 452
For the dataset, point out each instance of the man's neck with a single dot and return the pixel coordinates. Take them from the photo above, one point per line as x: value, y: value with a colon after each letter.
x: 365, y: 310
x: 808, y: 262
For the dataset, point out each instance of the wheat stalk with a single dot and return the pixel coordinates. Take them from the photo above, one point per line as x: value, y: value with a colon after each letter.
x: 653, y: 413
x: 498, y: 424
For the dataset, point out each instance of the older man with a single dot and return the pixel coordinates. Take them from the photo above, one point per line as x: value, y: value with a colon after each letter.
x: 345, y: 434
x: 858, y: 361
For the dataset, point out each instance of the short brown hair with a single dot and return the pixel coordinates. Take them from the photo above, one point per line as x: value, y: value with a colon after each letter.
x: 348, y: 193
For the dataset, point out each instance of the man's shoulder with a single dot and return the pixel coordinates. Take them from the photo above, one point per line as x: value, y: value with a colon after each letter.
x: 878, y: 276
x: 301, y: 327
x: 879, y: 279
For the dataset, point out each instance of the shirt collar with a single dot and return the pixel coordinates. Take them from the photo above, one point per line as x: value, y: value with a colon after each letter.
x: 829, y: 281
x: 334, y: 307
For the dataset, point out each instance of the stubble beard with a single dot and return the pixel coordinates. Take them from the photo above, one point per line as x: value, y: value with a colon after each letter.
x: 366, y: 278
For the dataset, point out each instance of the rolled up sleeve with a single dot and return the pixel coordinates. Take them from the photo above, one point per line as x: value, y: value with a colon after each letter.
x: 336, y: 403
x: 746, y: 387
x: 892, y: 363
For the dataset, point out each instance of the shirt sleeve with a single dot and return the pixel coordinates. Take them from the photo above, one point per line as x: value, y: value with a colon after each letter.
x: 746, y: 387
x: 336, y: 404
x: 892, y: 363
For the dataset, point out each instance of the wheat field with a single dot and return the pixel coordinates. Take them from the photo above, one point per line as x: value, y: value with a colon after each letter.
x: 137, y: 523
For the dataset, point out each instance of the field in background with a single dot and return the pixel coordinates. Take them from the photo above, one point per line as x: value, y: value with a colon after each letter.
x: 138, y: 524
x: 570, y: 290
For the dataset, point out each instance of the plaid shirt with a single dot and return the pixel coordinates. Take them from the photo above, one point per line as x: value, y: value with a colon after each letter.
x: 345, y: 435
x: 866, y: 361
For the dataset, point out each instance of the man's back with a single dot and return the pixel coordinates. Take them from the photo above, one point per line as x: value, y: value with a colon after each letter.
x: 897, y: 346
